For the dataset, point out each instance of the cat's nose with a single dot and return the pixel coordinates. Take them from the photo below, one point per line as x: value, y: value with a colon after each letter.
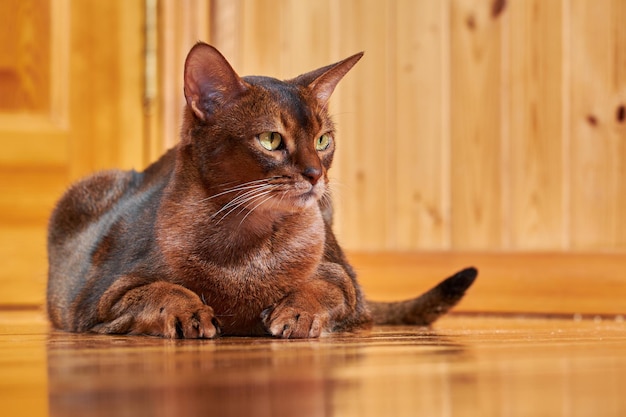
x: 312, y: 174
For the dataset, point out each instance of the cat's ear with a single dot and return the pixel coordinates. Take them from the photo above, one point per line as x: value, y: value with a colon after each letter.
x: 210, y: 81
x: 322, y: 81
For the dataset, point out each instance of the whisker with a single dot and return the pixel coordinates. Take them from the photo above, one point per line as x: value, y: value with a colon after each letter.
x: 243, y: 202
x: 245, y: 186
x: 240, y: 187
x: 253, y: 208
x: 237, y: 199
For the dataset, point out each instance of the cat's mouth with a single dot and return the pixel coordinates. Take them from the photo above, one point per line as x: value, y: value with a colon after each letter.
x: 273, y: 195
x: 307, y: 192
x: 300, y: 195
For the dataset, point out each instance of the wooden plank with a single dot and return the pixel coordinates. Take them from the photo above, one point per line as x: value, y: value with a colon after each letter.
x: 106, y: 100
x: 512, y: 282
x: 366, y: 137
x: 91, y: 118
x: 28, y: 193
x: 535, y: 137
x: 24, y: 81
x: 421, y: 208
x: 261, y: 33
x: 180, y: 26
x: 24, y: 268
x: 463, y: 366
x: 305, y: 44
x: 44, y: 145
x: 476, y: 114
x: 598, y: 126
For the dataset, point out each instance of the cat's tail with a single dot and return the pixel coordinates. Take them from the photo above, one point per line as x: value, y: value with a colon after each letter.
x: 429, y: 306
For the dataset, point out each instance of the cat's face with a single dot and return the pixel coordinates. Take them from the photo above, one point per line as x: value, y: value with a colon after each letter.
x: 261, y: 144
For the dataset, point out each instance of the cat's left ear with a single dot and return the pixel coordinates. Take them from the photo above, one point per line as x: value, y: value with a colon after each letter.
x: 322, y: 81
x: 210, y: 81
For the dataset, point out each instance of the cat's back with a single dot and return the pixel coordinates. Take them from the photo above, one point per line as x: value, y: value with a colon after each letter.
x: 86, y: 220
x: 103, y: 193
x: 86, y: 201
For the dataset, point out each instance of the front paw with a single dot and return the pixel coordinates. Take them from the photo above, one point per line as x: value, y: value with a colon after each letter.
x: 290, y: 322
x: 185, y: 321
x: 159, y: 309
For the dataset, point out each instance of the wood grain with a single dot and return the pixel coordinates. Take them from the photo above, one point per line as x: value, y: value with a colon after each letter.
x: 468, y: 125
x: 534, y: 196
x: 365, y: 135
x: 24, y: 81
x: 179, y: 26
x: 464, y: 366
x: 508, y: 282
x: 74, y: 106
x: 476, y: 114
x: 421, y: 183
x: 598, y: 147
x: 107, y: 59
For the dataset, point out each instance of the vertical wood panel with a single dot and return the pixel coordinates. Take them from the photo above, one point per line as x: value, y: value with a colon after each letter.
x: 598, y: 158
x: 476, y: 115
x: 79, y: 83
x: 420, y: 173
x: 454, y: 130
x: 180, y: 24
x: 535, y: 140
x: 366, y: 143
x: 24, y: 81
x: 262, y: 26
x: 306, y: 39
x: 107, y: 56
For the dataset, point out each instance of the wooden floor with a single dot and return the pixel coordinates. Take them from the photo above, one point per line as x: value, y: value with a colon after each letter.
x: 464, y: 366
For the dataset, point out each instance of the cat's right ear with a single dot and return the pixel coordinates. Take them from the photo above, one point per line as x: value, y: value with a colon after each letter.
x: 210, y: 81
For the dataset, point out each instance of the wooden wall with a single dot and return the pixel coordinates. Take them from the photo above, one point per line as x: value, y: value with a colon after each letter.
x: 71, y: 102
x: 470, y: 128
x: 469, y: 124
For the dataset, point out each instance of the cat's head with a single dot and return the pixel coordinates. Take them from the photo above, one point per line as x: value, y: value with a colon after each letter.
x: 259, y: 143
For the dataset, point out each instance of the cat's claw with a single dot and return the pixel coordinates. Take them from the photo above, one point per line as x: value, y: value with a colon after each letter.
x: 186, y: 324
x: 293, y: 323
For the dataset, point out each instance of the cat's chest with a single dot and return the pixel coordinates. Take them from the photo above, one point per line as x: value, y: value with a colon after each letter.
x: 291, y: 252
x: 214, y: 255
x: 240, y: 275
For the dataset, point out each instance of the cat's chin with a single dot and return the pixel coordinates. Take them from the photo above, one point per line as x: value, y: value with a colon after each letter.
x: 297, y: 201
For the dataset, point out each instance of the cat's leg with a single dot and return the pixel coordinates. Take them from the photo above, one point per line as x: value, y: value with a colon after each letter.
x: 158, y: 309
x: 318, y: 306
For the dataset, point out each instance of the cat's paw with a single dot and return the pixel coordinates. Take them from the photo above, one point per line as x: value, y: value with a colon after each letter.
x: 184, y: 321
x: 291, y: 322
x: 160, y: 309
x: 180, y: 313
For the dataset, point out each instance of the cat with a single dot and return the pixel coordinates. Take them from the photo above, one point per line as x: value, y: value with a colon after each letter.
x: 229, y: 232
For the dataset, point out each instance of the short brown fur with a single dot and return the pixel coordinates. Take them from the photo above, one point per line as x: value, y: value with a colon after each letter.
x: 229, y: 232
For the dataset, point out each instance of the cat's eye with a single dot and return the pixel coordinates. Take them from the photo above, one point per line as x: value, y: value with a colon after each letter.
x: 323, y: 142
x: 270, y: 140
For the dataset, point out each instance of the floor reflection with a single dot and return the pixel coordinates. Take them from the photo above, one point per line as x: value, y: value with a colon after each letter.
x: 231, y: 376
x: 468, y: 367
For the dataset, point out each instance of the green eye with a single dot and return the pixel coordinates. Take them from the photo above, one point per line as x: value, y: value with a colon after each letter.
x: 323, y: 142
x: 270, y: 140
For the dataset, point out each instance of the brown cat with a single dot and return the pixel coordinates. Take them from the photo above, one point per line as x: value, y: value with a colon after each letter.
x: 230, y: 231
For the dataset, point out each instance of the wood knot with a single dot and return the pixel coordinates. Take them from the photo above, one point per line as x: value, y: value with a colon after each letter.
x: 497, y: 7
x: 592, y: 120
x: 621, y: 113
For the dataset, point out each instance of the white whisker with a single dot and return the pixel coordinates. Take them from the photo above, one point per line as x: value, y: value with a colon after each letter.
x: 240, y: 187
x: 243, y: 205
x: 253, y: 208
x: 241, y: 202
x: 241, y: 197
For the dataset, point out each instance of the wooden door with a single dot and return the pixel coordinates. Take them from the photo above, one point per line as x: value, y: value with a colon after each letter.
x: 71, y: 91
